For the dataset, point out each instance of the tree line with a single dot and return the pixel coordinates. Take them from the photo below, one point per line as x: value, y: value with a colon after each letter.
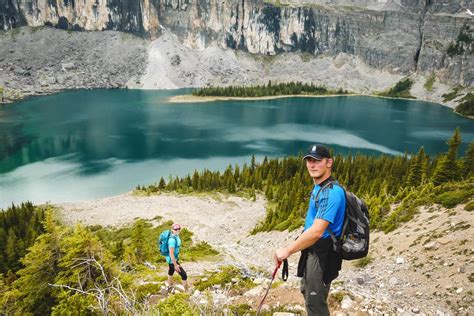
x: 379, y: 180
x: 270, y: 89
x: 20, y: 225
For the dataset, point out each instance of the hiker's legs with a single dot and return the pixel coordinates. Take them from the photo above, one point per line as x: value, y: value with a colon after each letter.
x: 184, y: 278
x: 314, y: 290
x: 170, y: 274
x: 182, y: 273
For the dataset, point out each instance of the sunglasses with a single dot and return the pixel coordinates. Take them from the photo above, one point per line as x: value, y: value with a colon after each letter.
x: 176, y: 229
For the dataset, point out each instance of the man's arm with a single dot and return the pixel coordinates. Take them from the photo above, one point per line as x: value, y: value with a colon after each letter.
x: 305, y: 240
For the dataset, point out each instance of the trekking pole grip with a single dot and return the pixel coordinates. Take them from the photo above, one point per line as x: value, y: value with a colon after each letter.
x: 276, y: 268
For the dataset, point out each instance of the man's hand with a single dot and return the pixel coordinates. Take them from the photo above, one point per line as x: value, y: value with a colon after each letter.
x: 281, y: 254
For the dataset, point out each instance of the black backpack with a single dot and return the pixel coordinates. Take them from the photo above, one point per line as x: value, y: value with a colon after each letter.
x: 355, y: 235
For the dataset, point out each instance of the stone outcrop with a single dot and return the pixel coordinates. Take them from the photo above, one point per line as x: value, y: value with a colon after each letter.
x: 398, y: 36
x: 45, y: 60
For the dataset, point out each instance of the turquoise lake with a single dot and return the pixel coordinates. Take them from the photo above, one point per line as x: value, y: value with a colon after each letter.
x: 86, y: 144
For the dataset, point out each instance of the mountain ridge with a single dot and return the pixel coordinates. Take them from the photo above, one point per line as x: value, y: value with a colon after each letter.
x: 388, y: 39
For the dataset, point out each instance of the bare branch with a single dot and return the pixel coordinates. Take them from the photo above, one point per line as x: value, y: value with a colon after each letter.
x: 103, y: 292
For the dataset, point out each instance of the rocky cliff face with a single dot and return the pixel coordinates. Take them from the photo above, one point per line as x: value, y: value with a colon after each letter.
x: 398, y: 36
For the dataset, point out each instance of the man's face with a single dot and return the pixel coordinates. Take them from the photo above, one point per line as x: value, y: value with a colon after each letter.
x: 318, y: 169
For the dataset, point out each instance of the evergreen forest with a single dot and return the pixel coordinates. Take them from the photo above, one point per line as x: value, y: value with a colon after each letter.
x: 270, y: 89
x: 52, y: 268
x: 381, y: 181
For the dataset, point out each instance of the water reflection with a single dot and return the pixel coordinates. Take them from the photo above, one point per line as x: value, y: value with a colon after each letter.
x: 89, y: 141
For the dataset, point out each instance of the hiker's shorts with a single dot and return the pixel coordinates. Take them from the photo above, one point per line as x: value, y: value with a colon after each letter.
x: 314, y: 290
x: 182, y: 273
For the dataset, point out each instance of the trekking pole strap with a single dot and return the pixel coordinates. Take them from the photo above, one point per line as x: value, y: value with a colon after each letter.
x: 284, y: 271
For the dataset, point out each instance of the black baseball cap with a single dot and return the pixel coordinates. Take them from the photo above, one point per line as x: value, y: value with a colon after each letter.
x: 318, y: 152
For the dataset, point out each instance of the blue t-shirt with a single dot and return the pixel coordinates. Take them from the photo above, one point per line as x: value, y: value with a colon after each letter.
x: 173, y: 242
x: 331, y: 207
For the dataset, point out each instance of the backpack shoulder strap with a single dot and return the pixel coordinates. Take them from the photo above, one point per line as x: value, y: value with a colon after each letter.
x: 325, y: 185
x: 344, y: 225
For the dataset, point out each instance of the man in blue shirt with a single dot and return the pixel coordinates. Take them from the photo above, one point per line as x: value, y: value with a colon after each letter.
x: 174, y: 245
x: 318, y: 264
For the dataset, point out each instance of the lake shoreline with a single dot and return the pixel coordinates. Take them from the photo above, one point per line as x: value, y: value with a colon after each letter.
x: 188, y: 98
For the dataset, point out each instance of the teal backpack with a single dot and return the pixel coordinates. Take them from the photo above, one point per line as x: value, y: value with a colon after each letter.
x: 163, y: 242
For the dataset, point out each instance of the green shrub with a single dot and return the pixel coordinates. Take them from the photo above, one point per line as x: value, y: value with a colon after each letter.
x: 282, y: 226
x: 466, y: 107
x: 306, y: 57
x: 452, y: 198
x: 363, y: 262
x: 454, y: 50
x: 144, y: 290
x: 225, y: 276
x: 462, y: 43
x: 337, y: 296
x: 75, y: 304
x: 452, y: 95
x: 241, y: 309
x: 400, y: 90
x: 429, y: 83
x: 469, y: 206
x: 177, y: 305
x: 199, y: 251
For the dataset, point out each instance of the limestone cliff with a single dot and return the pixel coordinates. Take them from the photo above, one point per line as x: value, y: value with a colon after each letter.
x: 399, y: 36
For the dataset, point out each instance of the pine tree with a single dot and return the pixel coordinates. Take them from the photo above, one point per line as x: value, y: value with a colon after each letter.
x: 31, y: 292
x: 195, y: 180
x: 447, y: 168
x: 253, y: 164
x: 416, y: 171
x: 468, y: 163
x: 10, y: 250
x: 162, y: 184
x: 231, y: 185
x: 253, y: 194
x: 80, y: 248
x: 139, y: 241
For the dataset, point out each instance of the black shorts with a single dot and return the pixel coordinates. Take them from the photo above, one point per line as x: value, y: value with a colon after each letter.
x: 182, y: 273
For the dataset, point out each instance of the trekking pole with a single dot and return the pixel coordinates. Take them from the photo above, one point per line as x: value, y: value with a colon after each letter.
x: 284, y: 276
